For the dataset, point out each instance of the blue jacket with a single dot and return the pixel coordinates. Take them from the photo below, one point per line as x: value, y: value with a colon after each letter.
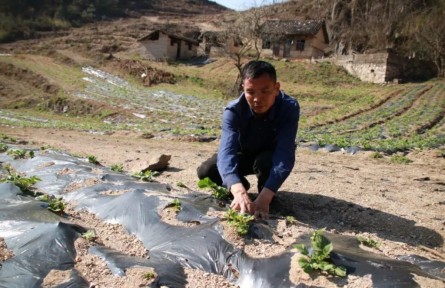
x: 243, y: 132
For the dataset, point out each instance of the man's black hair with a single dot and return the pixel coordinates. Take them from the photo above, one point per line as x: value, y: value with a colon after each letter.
x: 254, y: 69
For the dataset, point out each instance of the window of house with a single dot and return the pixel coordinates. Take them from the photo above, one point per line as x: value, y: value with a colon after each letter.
x: 172, y: 41
x: 266, y: 44
x: 190, y: 46
x: 300, y: 45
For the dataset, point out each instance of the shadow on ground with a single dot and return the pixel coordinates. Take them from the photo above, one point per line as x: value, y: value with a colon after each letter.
x: 323, y: 211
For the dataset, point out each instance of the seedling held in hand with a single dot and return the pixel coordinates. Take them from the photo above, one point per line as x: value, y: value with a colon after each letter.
x: 218, y: 192
x: 239, y: 220
x: 317, y: 257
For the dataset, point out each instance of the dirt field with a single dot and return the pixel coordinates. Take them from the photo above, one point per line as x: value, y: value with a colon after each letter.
x: 400, y: 205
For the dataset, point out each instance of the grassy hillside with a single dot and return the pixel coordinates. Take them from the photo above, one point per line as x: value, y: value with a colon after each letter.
x: 65, y: 92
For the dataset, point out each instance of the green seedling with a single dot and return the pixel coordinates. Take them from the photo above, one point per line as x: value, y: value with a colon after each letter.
x: 400, y: 159
x: 90, y: 235
x: 218, y: 192
x: 92, y: 159
x: 290, y: 220
x: 17, y: 153
x: 3, y: 147
x: 318, y: 256
x: 176, y: 204
x: 149, y: 275
x: 24, y: 183
x: 182, y: 185
x: 117, y: 167
x: 368, y: 242
x: 55, y: 204
x: 239, y: 221
x: 146, y: 176
x: 376, y: 155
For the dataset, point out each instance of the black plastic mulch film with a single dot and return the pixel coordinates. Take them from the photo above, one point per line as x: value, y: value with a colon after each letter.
x: 42, y: 241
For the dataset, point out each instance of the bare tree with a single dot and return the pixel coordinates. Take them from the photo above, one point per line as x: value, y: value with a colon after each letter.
x: 243, y: 37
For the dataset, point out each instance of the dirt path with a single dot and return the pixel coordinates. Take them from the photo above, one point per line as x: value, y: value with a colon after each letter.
x: 402, y: 206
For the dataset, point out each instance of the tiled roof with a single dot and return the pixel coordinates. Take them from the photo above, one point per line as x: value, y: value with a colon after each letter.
x: 292, y: 27
x: 154, y: 35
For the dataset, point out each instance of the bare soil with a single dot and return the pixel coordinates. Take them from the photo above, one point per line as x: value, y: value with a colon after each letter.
x: 399, y: 205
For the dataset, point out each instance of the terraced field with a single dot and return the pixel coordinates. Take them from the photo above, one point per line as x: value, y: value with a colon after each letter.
x: 336, y: 108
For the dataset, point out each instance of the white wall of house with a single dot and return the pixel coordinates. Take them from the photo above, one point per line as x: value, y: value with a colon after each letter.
x: 165, y: 48
x: 156, y: 49
x: 313, y: 47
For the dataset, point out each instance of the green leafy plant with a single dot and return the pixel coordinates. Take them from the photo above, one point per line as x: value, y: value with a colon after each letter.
x: 182, y: 185
x: 239, y: 221
x: 55, y: 204
x: 176, y: 204
x: 146, y: 176
x: 24, y: 183
x: 317, y: 257
x: 117, y: 167
x: 17, y: 153
x: 218, y: 192
x: 92, y: 159
x: 376, y: 155
x: 400, y: 159
x: 368, y: 242
x: 90, y: 235
x: 149, y: 275
x: 290, y: 220
x: 3, y: 147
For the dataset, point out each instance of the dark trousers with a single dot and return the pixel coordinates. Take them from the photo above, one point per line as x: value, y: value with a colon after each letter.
x: 248, y: 164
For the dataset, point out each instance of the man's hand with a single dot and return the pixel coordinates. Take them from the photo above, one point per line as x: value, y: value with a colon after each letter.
x: 261, y: 204
x: 241, y: 201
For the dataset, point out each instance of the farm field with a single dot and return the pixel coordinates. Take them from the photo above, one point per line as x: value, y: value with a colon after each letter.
x: 386, y: 184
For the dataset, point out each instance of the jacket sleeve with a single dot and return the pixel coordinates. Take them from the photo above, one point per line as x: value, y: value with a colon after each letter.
x: 229, y: 146
x: 283, y: 158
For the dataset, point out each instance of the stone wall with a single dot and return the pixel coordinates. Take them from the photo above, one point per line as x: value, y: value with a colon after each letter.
x: 375, y: 68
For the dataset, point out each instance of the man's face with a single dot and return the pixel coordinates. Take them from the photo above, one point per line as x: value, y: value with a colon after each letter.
x: 260, y: 93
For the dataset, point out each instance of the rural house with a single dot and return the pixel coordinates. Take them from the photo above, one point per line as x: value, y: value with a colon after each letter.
x: 216, y: 43
x: 161, y: 45
x: 295, y: 38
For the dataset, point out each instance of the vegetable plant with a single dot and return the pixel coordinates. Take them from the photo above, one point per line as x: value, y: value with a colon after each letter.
x: 400, y: 159
x: 3, y: 147
x: 24, y: 183
x: 290, y: 220
x: 149, y: 275
x: 176, y: 204
x: 117, y: 167
x: 218, y: 192
x: 90, y: 235
x: 146, y: 176
x: 93, y: 160
x: 368, y: 242
x: 317, y: 257
x: 239, y: 220
x: 55, y: 204
x: 17, y: 153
